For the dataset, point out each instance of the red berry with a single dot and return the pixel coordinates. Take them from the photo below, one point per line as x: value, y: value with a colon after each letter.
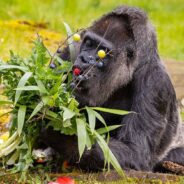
x: 76, y: 71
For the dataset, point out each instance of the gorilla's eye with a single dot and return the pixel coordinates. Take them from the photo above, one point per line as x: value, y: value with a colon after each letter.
x: 89, y: 43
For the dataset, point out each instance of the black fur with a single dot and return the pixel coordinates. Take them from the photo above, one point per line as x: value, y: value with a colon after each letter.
x: 133, y: 78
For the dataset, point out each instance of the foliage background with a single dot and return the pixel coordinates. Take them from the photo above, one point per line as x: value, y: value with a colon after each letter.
x: 20, y: 20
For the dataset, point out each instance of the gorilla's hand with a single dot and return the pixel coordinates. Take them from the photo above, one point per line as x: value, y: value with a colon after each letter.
x: 64, y: 144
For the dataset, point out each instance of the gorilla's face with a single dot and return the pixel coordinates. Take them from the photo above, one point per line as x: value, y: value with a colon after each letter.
x: 94, y: 70
x: 99, y: 78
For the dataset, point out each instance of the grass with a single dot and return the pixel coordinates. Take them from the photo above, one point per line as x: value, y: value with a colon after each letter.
x: 167, y: 16
x: 88, y: 179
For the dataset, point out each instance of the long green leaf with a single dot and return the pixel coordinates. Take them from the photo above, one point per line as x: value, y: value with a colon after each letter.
x: 112, y: 111
x: 81, y: 134
x: 70, y: 41
x: 36, y: 110
x: 107, y: 129
x: 45, y: 99
x: 21, y: 118
x: 41, y: 86
x: 100, y: 118
x: 51, y: 114
x: 28, y: 88
x: 91, y: 118
x: 2, y: 67
x: 88, y: 141
x: 108, y: 154
x: 67, y: 114
x: 13, y: 158
x: 22, y: 83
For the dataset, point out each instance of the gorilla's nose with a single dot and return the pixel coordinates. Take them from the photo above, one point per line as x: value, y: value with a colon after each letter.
x: 84, y: 58
x: 81, y: 63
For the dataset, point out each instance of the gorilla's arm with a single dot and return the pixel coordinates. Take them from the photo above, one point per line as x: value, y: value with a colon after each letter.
x: 144, y: 136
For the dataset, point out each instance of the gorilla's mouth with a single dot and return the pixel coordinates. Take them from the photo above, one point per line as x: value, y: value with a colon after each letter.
x: 80, y: 82
x: 80, y: 86
x: 82, y: 78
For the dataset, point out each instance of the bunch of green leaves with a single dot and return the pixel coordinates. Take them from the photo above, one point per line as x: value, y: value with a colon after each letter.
x: 41, y: 97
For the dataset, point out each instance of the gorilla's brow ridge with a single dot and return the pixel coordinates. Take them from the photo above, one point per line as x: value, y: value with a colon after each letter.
x: 98, y: 38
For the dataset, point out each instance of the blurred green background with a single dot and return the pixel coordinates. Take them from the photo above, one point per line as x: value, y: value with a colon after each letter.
x: 20, y: 20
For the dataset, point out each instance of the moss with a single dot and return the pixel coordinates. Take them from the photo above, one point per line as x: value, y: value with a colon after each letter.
x: 19, y: 35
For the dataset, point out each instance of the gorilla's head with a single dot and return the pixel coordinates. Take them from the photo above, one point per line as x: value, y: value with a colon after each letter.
x: 129, y: 42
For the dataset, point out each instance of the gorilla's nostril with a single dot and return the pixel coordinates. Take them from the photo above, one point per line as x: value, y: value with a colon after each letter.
x: 91, y: 58
x: 83, y: 59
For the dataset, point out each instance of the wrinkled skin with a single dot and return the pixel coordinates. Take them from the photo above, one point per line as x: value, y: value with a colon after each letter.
x: 131, y: 77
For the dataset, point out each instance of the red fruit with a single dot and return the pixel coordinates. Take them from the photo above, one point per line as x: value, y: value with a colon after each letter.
x: 65, y: 180
x: 76, y: 71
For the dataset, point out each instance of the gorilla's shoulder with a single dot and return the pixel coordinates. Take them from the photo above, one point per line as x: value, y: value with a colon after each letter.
x: 153, y: 78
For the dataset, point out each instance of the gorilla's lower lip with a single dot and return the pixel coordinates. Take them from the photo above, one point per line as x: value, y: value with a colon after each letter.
x: 80, y: 89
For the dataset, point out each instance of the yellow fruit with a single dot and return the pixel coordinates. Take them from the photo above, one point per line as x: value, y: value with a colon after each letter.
x: 101, y: 54
x: 76, y: 37
x: 5, y: 136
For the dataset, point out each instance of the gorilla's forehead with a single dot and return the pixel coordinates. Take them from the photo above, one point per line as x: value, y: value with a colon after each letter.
x: 99, y: 39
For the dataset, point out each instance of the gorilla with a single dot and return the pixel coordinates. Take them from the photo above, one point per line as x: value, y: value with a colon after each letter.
x: 130, y: 77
